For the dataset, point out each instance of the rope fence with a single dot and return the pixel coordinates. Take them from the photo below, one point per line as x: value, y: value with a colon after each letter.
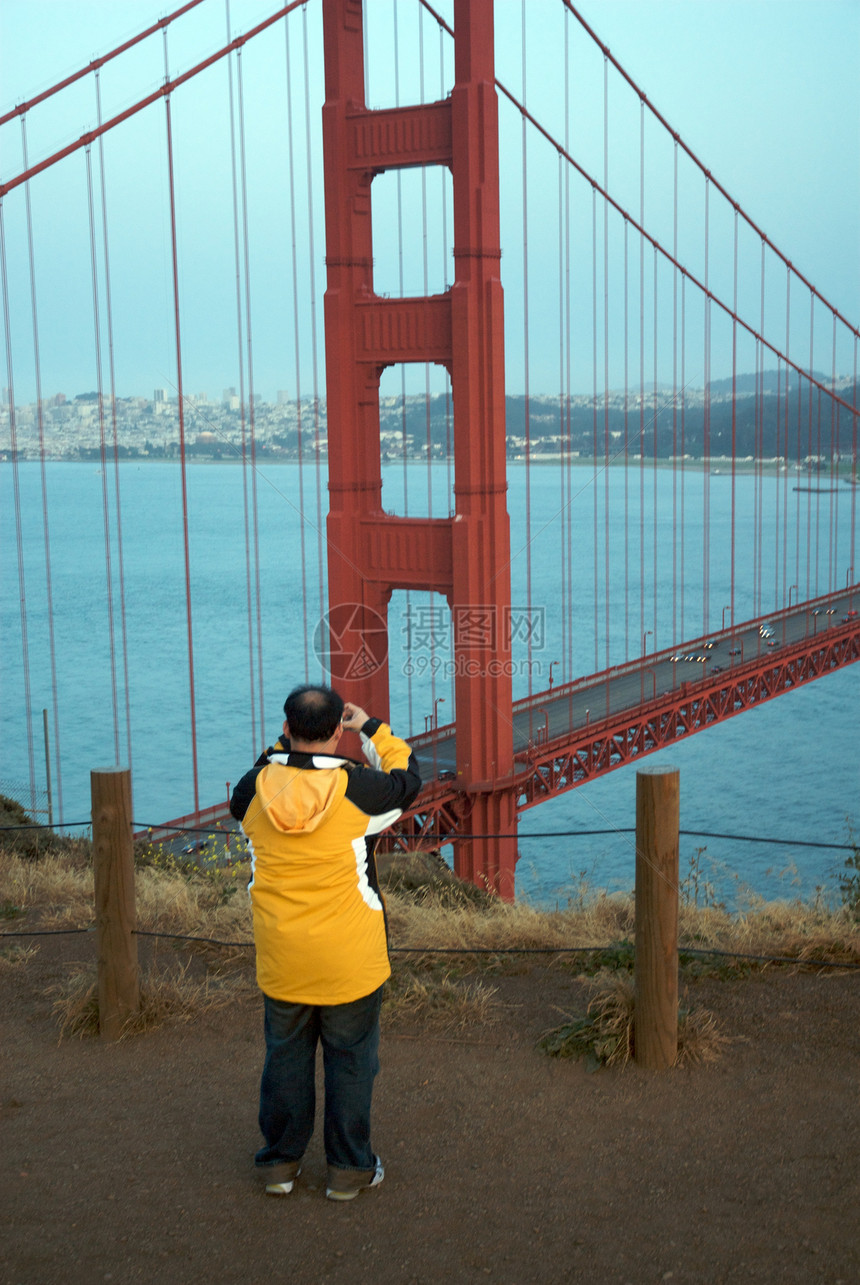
x: 448, y: 838
x: 697, y: 951
x: 657, y: 955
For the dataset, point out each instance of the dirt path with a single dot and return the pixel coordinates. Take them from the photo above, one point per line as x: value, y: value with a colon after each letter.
x: 131, y: 1161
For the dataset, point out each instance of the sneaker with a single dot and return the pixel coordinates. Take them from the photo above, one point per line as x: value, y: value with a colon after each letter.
x: 345, y: 1184
x: 281, y: 1178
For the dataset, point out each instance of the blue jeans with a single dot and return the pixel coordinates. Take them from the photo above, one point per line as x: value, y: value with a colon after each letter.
x: 350, y: 1041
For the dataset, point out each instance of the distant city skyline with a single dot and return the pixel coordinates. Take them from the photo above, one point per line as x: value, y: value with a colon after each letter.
x: 754, y: 415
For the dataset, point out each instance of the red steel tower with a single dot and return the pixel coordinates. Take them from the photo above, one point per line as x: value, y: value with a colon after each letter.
x: 465, y: 556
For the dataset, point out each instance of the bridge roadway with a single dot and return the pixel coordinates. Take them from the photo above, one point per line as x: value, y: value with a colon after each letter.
x: 583, y: 729
x: 577, y: 718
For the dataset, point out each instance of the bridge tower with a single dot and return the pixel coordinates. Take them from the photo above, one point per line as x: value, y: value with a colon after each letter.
x: 466, y: 556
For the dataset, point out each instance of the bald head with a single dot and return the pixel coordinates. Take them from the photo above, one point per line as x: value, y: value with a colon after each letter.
x: 313, y: 713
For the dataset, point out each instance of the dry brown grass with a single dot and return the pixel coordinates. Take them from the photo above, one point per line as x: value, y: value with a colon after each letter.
x: 13, y: 957
x: 439, y: 999
x: 58, y: 887
x: 427, y: 908
x: 795, y: 929
x: 173, y: 996
x: 605, y: 1036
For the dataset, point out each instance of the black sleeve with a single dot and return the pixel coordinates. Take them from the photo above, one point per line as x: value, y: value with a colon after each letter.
x: 243, y: 794
x: 376, y: 792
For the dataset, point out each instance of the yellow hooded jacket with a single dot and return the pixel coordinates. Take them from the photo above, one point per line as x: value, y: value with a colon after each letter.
x: 311, y: 822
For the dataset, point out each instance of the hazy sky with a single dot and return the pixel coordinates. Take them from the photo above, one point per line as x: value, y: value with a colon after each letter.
x: 766, y: 93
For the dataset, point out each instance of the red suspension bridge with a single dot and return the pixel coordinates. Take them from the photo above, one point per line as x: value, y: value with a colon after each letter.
x: 680, y: 465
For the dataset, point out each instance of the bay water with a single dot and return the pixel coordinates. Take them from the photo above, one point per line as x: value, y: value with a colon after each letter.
x: 787, y: 770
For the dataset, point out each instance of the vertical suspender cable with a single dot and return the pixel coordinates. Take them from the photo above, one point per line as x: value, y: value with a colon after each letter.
x: 427, y: 422
x: 563, y: 451
x: 681, y: 603
x: 103, y: 453
x: 528, y: 452
x: 400, y: 263
x: 314, y: 336
x: 561, y: 471
x: 595, y: 443
x: 781, y: 444
x: 446, y: 282
x: 675, y: 563
x: 782, y: 500
x: 449, y: 456
x: 606, y: 438
x: 183, y: 463
x: 797, y: 507
x: 782, y: 493
x: 758, y: 445
x: 291, y: 149
x: 257, y: 731
x: 16, y: 490
x: 626, y: 437
x: 641, y: 372
x: 835, y: 453
x: 706, y: 429
x: 817, y: 554
x: 655, y: 471
x: 810, y: 451
x: 733, y: 537
x: 114, y: 434
x: 449, y: 445
x: 404, y: 428
x: 852, y: 551
x: 425, y: 264
x: 246, y: 259
x: 567, y: 467
x: 46, y: 538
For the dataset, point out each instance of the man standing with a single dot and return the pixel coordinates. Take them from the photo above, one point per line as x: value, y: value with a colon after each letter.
x: 311, y: 817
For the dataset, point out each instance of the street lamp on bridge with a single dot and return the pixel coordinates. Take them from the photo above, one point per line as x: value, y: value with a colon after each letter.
x: 431, y: 721
x: 790, y: 587
x: 645, y: 640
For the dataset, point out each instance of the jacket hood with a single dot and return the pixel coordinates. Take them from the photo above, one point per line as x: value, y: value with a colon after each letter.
x: 298, y: 799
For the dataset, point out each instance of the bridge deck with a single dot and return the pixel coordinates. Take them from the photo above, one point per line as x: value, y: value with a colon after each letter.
x: 584, y: 729
x: 575, y: 732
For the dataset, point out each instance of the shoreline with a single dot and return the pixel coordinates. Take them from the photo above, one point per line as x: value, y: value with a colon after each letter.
x: 717, y: 465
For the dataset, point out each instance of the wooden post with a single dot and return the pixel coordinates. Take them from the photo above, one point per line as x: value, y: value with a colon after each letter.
x: 113, y: 869
x: 655, y: 1014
